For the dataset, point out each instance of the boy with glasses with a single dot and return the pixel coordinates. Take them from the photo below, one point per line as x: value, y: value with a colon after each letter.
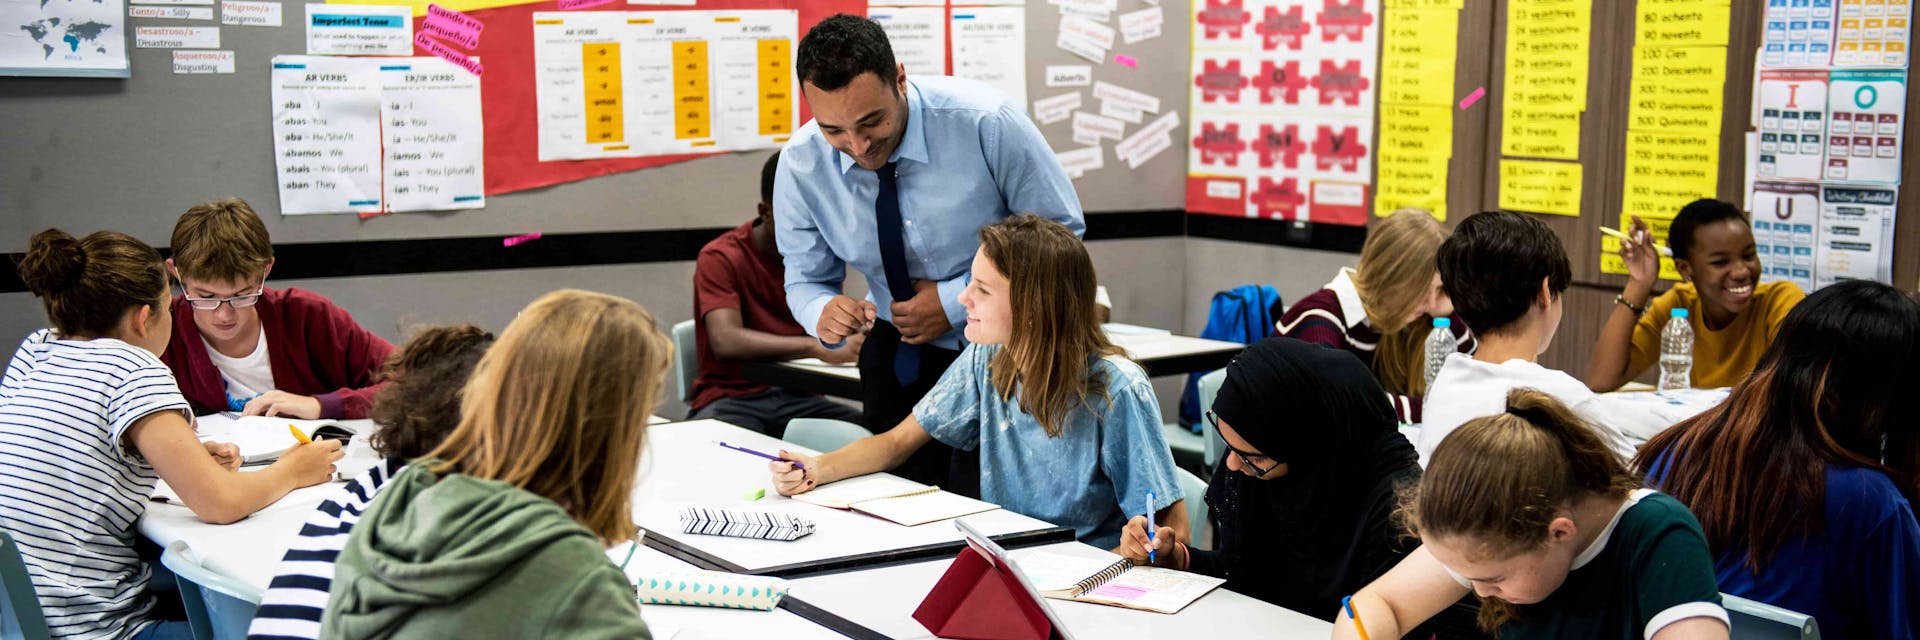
x: 241, y: 346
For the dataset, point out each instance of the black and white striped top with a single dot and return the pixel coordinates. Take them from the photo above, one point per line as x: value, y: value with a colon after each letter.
x: 292, y: 605
x: 71, y: 488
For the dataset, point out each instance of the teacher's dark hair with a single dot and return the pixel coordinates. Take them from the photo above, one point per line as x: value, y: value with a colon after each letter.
x: 842, y: 47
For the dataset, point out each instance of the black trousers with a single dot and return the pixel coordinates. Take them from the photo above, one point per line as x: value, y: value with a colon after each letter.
x: 886, y: 403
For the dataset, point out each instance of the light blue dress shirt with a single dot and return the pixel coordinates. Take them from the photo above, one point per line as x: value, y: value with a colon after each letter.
x: 1093, y: 477
x: 969, y: 158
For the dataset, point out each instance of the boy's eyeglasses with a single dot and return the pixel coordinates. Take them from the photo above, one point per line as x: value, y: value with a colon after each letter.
x: 1245, y: 458
x: 238, y: 302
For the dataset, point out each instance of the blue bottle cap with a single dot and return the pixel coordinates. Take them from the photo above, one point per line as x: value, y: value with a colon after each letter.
x: 1679, y: 313
x: 1442, y: 323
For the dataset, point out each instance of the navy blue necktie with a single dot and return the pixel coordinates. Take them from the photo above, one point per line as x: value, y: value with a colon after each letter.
x: 893, y: 258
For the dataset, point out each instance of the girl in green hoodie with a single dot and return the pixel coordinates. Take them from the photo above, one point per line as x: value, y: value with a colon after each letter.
x: 502, y: 530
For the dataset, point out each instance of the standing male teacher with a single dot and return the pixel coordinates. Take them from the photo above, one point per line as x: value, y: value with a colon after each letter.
x: 896, y: 178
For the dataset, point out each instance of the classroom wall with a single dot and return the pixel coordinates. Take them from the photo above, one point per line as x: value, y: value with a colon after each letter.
x: 1218, y: 265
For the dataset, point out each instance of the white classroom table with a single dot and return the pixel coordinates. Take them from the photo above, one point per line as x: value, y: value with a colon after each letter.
x: 883, y: 599
x: 683, y: 466
x: 1159, y: 352
x: 671, y: 622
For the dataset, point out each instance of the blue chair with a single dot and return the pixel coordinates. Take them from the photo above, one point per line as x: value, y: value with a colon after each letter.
x: 822, y: 434
x: 1209, y: 388
x: 1199, y: 530
x: 1761, y: 621
x: 686, y: 362
x: 218, y: 607
x: 20, y: 615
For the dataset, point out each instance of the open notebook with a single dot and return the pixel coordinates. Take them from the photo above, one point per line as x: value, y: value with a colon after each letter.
x: 1112, y: 580
x: 896, y: 499
x: 262, y: 439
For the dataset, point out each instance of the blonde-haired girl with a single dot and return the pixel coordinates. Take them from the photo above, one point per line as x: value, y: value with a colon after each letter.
x: 1067, y: 429
x: 1530, y: 509
x: 1377, y: 312
x: 502, y: 530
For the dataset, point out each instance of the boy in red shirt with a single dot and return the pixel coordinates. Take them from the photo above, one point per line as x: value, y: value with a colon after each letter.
x: 240, y: 346
x: 740, y: 314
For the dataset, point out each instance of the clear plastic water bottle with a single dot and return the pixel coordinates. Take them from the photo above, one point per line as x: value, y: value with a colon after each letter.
x: 1440, y: 344
x: 1676, y: 353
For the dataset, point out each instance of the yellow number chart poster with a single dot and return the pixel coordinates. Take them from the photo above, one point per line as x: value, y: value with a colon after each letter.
x: 1674, y: 113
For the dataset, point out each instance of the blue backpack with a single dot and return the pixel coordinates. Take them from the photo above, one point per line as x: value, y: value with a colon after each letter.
x: 1244, y: 314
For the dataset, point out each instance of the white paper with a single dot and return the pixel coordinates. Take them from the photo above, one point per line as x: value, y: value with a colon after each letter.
x: 621, y: 84
x: 326, y: 134
x: 1792, y: 125
x: 359, y: 30
x: 1090, y: 6
x: 1125, y: 97
x: 1136, y: 144
x: 63, y: 38
x: 1096, y: 15
x: 176, y: 37
x: 1088, y: 31
x: 1786, y: 217
x: 202, y: 62
x: 1136, y: 26
x: 1079, y: 47
x: 1082, y: 160
x: 1069, y: 75
x: 1098, y: 125
x: 1154, y: 589
x: 922, y: 508
x: 918, y: 36
x: 1086, y: 138
x: 1051, y: 117
x: 204, y: 3
x: 1050, y: 571
x: 434, y: 150
x: 851, y: 491
x: 1856, y: 234
x: 1152, y: 147
x: 253, y: 14
x: 990, y: 45
x: 164, y: 12
x: 1118, y: 111
x: 1866, y: 125
x: 1065, y: 102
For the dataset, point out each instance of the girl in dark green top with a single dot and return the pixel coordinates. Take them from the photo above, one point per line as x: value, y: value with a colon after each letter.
x: 1530, y: 510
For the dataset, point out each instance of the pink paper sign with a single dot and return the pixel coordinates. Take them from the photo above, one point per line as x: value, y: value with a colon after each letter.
x: 1473, y: 97
x: 1126, y: 61
x: 452, y: 26
x: 447, y: 53
x: 517, y: 240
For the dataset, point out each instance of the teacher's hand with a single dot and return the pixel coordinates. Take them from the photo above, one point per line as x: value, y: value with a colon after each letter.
x: 920, y: 319
x: 844, y: 316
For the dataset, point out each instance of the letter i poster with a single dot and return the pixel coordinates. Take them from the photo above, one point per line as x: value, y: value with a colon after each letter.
x: 1283, y: 108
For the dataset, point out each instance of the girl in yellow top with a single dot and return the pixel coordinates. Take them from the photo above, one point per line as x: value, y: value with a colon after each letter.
x: 1734, y: 315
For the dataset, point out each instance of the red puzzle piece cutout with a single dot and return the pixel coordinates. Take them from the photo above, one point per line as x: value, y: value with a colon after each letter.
x: 1224, y: 18
x: 1220, y: 81
x: 1281, y: 83
x: 1219, y: 145
x: 1288, y: 29
x: 1344, y: 20
x: 1282, y: 146
x: 1341, y: 150
x: 1342, y: 83
x: 1281, y: 199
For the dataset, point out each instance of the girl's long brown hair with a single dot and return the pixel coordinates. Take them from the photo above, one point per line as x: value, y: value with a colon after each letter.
x: 1498, y: 481
x: 1827, y: 392
x: 1396, y: 270
x: 558, y: 406
x: 1056, y: 335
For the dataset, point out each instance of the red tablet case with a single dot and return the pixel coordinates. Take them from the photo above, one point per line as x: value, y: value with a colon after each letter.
x: 980, y: 600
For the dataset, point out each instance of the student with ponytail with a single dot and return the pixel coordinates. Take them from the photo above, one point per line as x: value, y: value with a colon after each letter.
x: 1802, y: 478
x: 1531, y: 510
x: 90, y: 419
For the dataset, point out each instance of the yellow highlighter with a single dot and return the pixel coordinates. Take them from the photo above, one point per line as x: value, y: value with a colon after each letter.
x: 299, y: 435
x: 1664, y: 251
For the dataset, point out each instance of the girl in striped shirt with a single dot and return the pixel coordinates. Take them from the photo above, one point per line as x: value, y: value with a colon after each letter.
x: 90, y: 419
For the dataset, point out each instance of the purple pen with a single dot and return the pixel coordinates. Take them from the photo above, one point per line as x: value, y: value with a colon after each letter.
x: 796, y: 463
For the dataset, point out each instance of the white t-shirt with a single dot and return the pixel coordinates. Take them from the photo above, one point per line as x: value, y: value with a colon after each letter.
x: 246, y: 376
x: 1467, y: 388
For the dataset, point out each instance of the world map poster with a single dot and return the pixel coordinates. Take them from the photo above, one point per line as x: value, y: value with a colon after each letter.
x: 63, y: 38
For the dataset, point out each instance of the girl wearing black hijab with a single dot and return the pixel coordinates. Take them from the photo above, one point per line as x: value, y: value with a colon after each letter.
x: 1302, y: 506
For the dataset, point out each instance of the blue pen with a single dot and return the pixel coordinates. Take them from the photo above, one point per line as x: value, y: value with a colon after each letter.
x: 1150, y: 527
x: 796, y: 463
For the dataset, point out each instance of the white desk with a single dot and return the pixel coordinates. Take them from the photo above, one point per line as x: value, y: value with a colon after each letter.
x: 1160, y: 353
x: 883, y: 600
x: 683, y: 467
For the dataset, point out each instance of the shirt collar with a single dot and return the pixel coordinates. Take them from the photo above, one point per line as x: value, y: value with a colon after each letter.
x: 1351, y: 308
x: 913, y: 143
x: 1600, y: 543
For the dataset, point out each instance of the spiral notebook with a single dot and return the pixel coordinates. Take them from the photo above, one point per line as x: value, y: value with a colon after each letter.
x: 1112, y: 580
x: 744, y: 524
x: 895, y: 499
